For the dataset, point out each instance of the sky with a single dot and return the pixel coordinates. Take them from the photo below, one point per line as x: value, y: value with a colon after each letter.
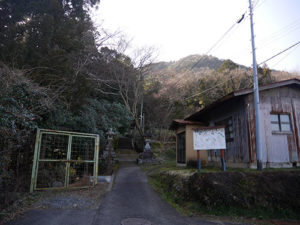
x: 177, y: 29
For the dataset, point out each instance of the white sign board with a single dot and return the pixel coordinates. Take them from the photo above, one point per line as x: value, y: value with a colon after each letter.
x: 207, y: 139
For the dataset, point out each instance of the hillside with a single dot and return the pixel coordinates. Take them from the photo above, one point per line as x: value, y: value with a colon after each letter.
x: 181, y: 87
x: 191, y: 62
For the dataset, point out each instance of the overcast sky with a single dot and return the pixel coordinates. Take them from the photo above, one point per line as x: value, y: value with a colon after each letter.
x: 181, y: 28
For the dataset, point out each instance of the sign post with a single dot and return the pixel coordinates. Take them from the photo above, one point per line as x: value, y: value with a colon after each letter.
x: 210, y: 138
x: 223, y: 160
x: 199, y: 160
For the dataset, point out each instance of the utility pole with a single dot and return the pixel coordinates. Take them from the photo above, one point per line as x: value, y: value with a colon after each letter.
x: 256, y: 96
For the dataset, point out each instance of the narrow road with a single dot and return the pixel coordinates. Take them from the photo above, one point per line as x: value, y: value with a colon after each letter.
x: 131, y: 200
x: 133, y: 197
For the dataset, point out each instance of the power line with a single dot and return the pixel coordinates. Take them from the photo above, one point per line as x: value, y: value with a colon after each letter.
x: 214, y: 45
x: 221, y: 38
x: 256, y: 6
x: 206, y: 90
x: 285, y: 56
x: 282, y: 32
x: 240, y: 20
x: 234, y: 76
x: 279, y: 53
x: 279, y: 34
x: 244, y: 16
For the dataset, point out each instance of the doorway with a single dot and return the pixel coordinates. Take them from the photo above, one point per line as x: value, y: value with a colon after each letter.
x: 181, y: 151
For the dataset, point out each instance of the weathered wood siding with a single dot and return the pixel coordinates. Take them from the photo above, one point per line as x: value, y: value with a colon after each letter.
x: 277, y: 147
x: 237, y: 150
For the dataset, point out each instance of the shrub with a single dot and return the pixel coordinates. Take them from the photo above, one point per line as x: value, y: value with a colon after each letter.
x: 22, y: 104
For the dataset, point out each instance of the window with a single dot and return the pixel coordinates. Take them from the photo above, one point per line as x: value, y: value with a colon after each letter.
x: 228, y: 128
x: 280, y: 122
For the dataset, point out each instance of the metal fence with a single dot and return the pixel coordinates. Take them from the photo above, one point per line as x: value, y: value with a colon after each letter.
x: 64, y: 159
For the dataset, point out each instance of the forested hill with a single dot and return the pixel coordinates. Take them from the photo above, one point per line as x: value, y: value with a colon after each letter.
x: 191, y: 62
x: 182, y: 87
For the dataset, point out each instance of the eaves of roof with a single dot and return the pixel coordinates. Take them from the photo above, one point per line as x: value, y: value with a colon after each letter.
x: 177, y: 122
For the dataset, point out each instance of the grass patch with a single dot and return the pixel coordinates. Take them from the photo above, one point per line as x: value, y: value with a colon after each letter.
x: 194, y: 208
x: 168, y: 162
x: 167, y: 196
x: 245, y: 184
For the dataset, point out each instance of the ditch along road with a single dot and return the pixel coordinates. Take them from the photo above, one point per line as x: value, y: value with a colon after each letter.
x: 132, y: 201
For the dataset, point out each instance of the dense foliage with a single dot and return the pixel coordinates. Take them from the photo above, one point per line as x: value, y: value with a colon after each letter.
x: 48, y: 60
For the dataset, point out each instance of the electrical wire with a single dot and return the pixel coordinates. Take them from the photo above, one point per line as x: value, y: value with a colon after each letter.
x: 220, y: 39
x: 282, y: 32
x: 279, y: 34
x: 256, y: 6
x: 285, y: 56
x: 244, y: 16
x: 206, y: 90
x: 218, y: 42
x: 234, y: 76
x: 279, y: 53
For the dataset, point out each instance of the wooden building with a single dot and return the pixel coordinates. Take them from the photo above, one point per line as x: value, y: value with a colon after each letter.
x: 184, y: 141
x: 280, y: 118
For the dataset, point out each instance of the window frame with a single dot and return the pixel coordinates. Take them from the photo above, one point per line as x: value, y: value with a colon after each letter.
x: 229, y: 134
x: 280, y: 123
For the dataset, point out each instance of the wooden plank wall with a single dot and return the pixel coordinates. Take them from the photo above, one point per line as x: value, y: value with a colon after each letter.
x: 236, y: 151
x: 276, y: 147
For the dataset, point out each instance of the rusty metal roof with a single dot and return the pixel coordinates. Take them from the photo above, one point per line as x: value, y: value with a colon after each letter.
x: 243, y: 92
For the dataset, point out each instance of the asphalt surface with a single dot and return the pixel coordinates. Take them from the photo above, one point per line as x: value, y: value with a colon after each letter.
x: 131, y: 199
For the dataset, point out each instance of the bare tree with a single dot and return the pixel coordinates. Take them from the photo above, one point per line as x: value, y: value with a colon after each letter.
x: 125, y: 76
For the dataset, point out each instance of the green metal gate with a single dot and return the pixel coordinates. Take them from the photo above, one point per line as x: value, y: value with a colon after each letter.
x: 64, y: 159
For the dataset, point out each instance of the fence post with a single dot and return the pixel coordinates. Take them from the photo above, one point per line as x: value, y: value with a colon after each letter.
x: 35, y: 159
x: 96, y: 159
x: 67, y: 176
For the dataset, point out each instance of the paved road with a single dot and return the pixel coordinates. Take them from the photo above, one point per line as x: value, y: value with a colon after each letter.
x: 131, y: 197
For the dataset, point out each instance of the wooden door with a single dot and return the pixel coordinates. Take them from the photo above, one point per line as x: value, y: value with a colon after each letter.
x: 181, y: 148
